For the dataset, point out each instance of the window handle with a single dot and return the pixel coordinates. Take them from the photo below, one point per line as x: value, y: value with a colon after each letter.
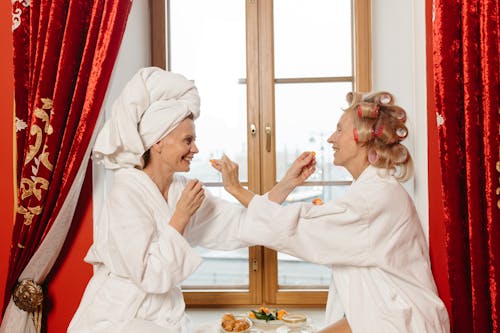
x: 268, y: 138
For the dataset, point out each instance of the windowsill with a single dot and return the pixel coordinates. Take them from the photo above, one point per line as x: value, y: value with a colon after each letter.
x: 206, y: 316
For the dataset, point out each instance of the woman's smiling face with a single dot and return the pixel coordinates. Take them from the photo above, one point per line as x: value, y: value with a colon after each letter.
x: 346, y: 151
x: 178, y: 148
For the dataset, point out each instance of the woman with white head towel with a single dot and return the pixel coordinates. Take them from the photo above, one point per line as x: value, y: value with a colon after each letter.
x: 152, y: 217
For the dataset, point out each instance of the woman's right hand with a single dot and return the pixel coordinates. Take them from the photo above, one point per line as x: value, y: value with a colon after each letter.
x: 229, y: 172
x: 190, y: 200
x: 301, y: 169
x: 230, y: 180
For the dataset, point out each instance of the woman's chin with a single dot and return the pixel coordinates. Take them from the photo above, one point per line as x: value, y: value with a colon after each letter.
x: 185, y: 166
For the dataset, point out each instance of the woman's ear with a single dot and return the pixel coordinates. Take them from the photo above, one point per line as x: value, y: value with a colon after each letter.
x: 156, y: 147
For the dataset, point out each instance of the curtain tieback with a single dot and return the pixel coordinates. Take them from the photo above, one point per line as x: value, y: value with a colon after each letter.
x: 28, y: 296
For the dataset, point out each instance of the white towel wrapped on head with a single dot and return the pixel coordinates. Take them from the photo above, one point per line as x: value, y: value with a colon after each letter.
x: 150, y: 106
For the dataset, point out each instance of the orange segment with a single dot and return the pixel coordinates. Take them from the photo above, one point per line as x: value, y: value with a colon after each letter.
x: 280, y: 314
x: 263, y: 309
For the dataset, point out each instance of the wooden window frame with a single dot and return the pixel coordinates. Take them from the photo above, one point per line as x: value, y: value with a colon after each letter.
x: 263, y: 281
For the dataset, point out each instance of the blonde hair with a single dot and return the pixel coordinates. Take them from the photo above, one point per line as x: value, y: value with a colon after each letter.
x: 379, y: 125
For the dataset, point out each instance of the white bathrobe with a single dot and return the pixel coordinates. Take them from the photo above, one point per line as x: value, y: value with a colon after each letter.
x: 374, y: 243
x: 139, y: 260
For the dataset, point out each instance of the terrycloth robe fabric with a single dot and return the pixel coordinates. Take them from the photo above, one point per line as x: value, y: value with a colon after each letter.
x: 139, y: 260
x: 374, y: 243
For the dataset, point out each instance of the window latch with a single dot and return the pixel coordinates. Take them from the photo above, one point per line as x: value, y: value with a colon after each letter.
x: 253, y: 129
x: 255, y: 265
x: 268, y: 138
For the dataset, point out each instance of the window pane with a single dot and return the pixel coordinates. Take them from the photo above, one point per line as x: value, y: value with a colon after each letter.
x: 306, y: 115
x: 312, y: 38
x: 207, y: 45
x: 220, y: 268
x: 293, y: 272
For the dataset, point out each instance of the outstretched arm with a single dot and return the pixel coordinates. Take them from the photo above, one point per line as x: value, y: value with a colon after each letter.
x: 303, y: 167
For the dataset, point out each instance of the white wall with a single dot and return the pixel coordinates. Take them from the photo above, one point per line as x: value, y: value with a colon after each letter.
x: 398, y: 31
x: 399, y: 66
x: 135, y: 53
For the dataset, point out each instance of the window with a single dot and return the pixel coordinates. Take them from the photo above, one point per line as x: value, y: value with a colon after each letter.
x: 272, y: 77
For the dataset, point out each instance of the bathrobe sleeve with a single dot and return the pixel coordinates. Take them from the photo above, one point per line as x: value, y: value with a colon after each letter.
x: 216, y: 224
x: 334, y: 233
x: 155, y: 260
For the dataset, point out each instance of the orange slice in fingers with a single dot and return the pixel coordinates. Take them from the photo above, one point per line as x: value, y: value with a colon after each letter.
x: 313, y: 153
x: 212, y: 161
x: 317, y: 201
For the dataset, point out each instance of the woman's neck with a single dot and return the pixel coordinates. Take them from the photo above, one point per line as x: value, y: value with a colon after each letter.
x: 161, y: 178
x: 357, y: 169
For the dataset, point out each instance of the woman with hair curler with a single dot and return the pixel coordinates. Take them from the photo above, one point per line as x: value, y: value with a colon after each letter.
x: 371, y: 237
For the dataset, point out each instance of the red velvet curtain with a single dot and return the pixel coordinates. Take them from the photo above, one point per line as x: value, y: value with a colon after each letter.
x: 467, y: 91
x: 64, y: 52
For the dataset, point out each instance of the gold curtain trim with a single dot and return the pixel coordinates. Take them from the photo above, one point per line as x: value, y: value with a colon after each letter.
x: 28, y: 295
x: 37, y: 319
x: 34, y: 185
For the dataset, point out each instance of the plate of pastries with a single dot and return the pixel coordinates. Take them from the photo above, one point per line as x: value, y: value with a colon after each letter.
x: 235, y: 323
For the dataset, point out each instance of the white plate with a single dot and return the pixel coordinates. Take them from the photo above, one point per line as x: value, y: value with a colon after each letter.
x: 262, y: 323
